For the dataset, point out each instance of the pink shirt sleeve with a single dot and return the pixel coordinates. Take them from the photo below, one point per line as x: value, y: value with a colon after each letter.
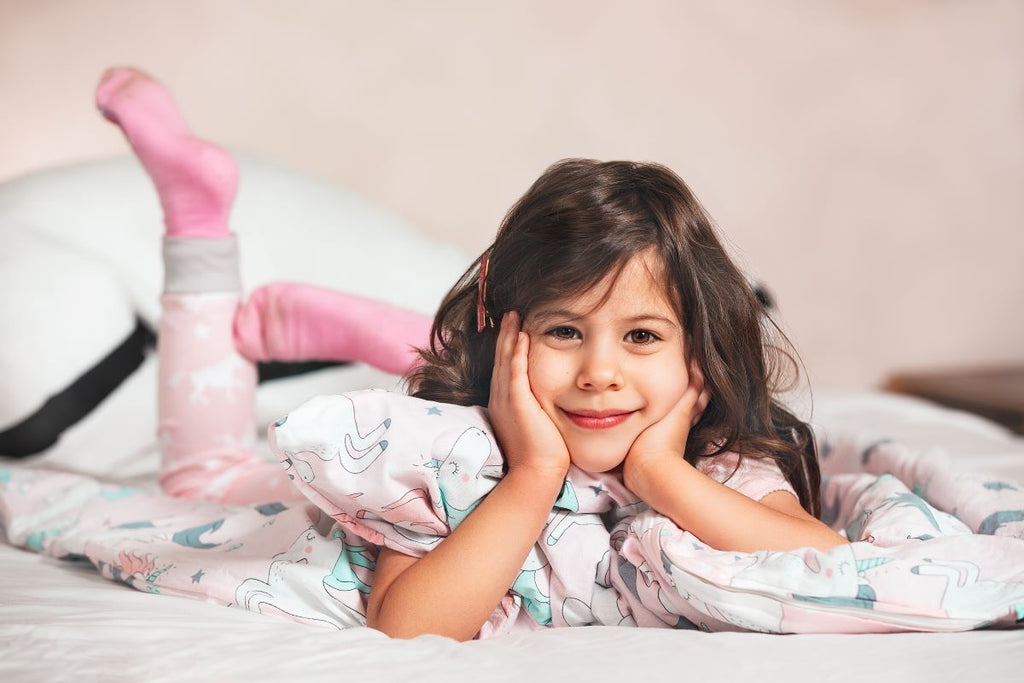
x: 755, y: 478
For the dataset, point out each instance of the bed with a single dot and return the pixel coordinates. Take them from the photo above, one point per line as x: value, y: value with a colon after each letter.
x: 62, y: 620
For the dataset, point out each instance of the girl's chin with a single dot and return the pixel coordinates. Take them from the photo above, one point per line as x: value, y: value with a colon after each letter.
x: 594, y: 465
x: 597, y: 451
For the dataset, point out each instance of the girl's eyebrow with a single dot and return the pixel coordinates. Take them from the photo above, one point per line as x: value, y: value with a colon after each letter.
x: 651, y: 317
x: 560, y: 314
x: 566, y: 315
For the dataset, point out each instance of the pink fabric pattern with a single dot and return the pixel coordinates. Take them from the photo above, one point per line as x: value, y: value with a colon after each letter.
x: 206, y: 400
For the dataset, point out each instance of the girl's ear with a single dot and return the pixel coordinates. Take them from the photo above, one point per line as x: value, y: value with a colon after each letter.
x: 696, y: 374
x: 697, y: 381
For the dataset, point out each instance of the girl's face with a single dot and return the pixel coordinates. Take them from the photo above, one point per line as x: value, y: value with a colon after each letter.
x: 604, y: 372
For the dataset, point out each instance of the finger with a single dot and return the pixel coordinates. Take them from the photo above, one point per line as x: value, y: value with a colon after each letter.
x: 503, y: 350
x: 505, y: 343
x: 705, y: 398
x: 700, y: 405
x: 519, y: 363
x: 684, y: 407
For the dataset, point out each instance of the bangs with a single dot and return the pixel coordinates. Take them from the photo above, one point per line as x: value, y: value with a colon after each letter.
x: 572, y: 269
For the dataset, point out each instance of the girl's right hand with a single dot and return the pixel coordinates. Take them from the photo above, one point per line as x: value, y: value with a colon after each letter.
x: 528, y: 438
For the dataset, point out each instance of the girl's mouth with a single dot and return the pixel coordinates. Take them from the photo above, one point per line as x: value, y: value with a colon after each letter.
x: 598, y: 419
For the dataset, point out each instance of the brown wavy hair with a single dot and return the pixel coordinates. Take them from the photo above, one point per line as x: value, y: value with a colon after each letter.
x: 583, y: 220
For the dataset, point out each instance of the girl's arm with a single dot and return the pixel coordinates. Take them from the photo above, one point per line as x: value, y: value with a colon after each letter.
x: 454, y: 589
x: 723, y: 518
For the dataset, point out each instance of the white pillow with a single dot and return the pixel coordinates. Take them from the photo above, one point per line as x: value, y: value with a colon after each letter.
x: 82, y: 242
x: 291, y: 226
x: 62, y: 313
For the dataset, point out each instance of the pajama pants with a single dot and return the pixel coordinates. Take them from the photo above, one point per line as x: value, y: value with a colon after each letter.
x: 207, y: 390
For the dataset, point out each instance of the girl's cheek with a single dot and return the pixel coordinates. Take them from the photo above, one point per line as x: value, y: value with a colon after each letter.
x: 535, y: 366
x: 672, y: 386
x: 545, y: 375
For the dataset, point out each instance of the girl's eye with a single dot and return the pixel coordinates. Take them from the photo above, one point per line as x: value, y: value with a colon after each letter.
x: 641, y: 337
x: 564, y: 332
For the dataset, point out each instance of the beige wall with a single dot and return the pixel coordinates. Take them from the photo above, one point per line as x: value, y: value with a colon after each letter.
x: 864, y: 157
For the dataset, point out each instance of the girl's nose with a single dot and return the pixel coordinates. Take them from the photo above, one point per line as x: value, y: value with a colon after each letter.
x: 599, y: 371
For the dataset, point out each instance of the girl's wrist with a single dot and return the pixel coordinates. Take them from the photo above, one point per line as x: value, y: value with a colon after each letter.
x: 540, y: 480
x: 641, y: 475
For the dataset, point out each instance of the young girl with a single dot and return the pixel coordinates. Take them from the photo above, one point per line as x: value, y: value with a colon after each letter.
x: 605, y: 327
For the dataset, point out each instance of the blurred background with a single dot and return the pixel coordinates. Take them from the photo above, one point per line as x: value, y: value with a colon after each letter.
x: 863, y: 158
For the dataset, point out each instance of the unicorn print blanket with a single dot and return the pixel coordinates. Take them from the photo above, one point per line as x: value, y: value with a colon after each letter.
x: 933, y: 549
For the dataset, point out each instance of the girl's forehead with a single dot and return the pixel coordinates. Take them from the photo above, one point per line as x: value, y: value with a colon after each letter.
x: 638, y: 288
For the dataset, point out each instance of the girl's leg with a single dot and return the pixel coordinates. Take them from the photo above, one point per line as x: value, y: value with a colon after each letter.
x: 286, y: 321
x: 206, y: 389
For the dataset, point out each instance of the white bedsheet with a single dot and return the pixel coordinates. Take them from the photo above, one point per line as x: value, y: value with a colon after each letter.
x: 62, y: 621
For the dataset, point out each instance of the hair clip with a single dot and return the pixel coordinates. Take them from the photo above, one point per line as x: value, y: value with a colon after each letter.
x: 482, y: 318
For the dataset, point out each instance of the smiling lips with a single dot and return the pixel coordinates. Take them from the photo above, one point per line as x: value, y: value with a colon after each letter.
x: 598, y: 419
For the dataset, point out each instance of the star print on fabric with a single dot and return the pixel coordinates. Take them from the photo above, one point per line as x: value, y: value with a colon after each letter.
x: 198, y: 576
x: 598, y: 489
x: 433, y: 410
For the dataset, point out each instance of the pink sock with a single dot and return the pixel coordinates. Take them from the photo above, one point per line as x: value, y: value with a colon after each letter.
x: 196, y: 180
x: 289, y: 322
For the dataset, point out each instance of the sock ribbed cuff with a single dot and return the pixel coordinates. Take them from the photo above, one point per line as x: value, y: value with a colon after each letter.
x: 194, y: 265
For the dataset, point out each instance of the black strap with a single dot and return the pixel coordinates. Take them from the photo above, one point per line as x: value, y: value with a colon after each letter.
x: 41, y: 430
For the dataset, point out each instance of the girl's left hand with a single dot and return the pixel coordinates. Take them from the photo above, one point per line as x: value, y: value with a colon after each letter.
x: 666, y: 438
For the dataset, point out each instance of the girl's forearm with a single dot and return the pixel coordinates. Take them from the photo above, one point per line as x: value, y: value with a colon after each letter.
x: 723, y: 518
x: 454, y: 589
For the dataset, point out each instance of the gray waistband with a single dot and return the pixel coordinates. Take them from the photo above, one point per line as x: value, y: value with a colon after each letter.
x: 193, y: 265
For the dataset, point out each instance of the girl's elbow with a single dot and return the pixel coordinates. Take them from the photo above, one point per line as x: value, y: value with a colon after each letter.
x: 396, y: 631
x: 404, y: 631
x: 406, y: 623
x: 390, y: 628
